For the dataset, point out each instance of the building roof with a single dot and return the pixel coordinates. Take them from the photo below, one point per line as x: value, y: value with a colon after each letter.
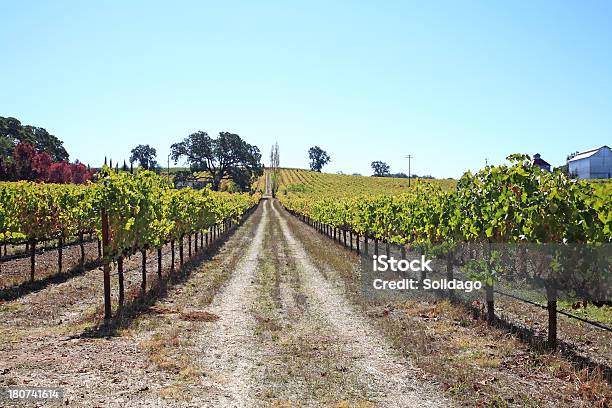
x: 587, y: 154
x: 539, y: 161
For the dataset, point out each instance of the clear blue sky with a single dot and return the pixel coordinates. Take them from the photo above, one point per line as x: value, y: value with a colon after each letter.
x: 451, y: 83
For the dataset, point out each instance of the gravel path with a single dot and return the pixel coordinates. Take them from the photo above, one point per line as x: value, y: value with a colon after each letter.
x: 389, y: 376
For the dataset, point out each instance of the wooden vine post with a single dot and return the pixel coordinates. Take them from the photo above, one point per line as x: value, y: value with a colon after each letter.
x: 490, y: 303
x: 106, y: 266
x: 159, y: 261
x: 32, y: 259
x: 551, y: 306
x: 181, y: 251
x: 60, y: 255
x: 489, y: 294
x: 172, y: 256
x: 82, y: 247
x: 121, y: 279
x: 449, y: 272
x: 144, y: 270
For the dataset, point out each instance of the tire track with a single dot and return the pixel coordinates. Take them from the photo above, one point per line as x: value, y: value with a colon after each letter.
x: 229, y: 355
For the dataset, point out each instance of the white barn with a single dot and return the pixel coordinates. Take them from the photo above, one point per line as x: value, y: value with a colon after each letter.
x: 592, y: 164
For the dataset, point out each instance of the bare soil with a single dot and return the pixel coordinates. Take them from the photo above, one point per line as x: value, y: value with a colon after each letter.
x: 16, y: 271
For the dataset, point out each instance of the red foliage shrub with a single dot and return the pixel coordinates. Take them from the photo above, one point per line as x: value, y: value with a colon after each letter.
x: 60, y: 173
x: 22, y: 156
x: 80, y: 174
x: 28, y: 164
x: 40, y: 166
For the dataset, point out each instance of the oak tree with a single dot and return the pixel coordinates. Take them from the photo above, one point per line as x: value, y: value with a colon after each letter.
x: 226, y: 157
x: 318, y: 158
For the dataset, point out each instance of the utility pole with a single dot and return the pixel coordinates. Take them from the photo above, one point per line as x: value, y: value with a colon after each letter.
x: 409, y: 172
x: 169, y: 166
x: 486, y: 162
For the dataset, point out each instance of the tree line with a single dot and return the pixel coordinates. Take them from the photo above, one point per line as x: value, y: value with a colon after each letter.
x: 32, y: 153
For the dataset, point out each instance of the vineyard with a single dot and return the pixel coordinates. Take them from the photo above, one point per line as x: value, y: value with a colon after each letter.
x: 128, y: 213
x: 303, y: 181
x: 498, y: 204
x: 535, y: 239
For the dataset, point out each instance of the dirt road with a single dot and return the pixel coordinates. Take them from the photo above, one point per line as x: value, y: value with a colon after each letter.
x: 282, y: 322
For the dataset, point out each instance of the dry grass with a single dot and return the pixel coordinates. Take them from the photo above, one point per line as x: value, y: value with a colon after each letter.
x: 280, y: 404
x: 483, y: 365
x: 159, y: 309
x: 591, y: 387
x: 161, y: 351
x: 198, y: 316
x: 358, y: 404
x: 167, y: 352
x: 11, y: 336
x: 191, y: 374
x: 176, y: 392
x: 265, y: 303
x: 11, y: 307
x: 73, y: 329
